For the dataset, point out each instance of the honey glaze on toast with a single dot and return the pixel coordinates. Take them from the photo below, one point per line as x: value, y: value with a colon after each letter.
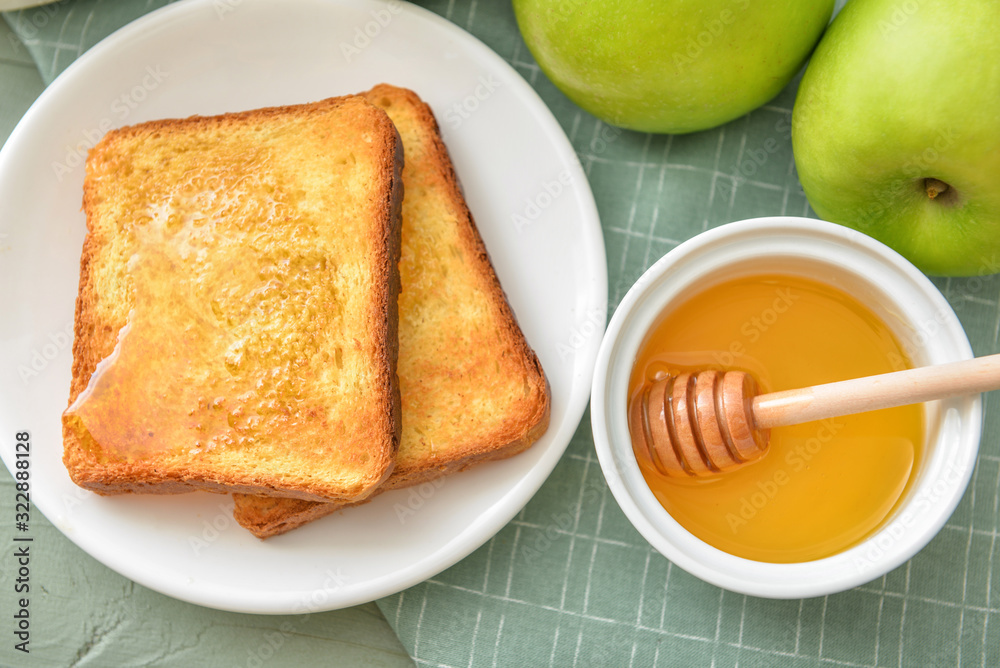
x: 247, y: 266
x: 245, y: 321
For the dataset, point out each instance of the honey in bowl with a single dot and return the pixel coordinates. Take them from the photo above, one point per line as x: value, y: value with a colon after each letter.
x: 822, y: 486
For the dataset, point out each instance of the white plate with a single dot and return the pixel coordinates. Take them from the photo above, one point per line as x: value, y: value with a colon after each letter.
x: 524, y: 185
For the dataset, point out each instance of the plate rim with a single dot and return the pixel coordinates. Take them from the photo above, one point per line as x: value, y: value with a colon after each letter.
x: 578, y: 394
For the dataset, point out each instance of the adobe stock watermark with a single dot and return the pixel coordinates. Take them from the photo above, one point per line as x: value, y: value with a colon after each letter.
x: 755, y: 158
x: 225, y: 7
x: 608, y: 135
x: 42, y: 355
x: 365, y: 34
x: 562, y: 523
x: 916, y: 170
x: 920, y: 165
x: 797, y: 459
x: 712, y: 30
x: 751, y: 161
x: 542, y: 200
x: 924, y: 502
x: 582, y: 332
x: 974, y: 284
x: 120, y: 109
x: 211, y: 530
x: 551, y: 189
x: 918, y: 338
x: 563, y: 10
x: 416, y: 497
x: 559, y: 524
x: 461, y: 111
x: 900, y: 16
x: 756, y: 326
x: 29, y: 22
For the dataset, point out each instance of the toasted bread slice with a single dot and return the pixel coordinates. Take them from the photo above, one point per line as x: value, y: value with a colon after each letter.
x: 236, y: 324
x: 472, y: 389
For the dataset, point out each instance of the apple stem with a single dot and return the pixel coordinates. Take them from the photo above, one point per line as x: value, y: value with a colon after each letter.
x: 935, y: 187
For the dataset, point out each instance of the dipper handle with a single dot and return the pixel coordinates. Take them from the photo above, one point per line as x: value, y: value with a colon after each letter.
x: 698, y: 424
x: 858, y: 395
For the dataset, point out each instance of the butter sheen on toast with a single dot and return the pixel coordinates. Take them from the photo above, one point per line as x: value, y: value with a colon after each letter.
x: 238, y: 302
x: 472, y: 389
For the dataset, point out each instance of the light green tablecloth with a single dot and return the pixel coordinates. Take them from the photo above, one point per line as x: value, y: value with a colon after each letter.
x: 568, y: 581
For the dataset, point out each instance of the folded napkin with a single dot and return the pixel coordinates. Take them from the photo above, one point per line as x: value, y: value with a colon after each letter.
x: 569, y: 581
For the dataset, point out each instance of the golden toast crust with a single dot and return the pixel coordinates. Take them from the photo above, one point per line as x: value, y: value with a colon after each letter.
x: 459, y: 339
x: 284, y: 450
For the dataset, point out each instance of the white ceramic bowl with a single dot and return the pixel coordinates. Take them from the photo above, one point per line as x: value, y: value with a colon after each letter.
x: 903, y: 297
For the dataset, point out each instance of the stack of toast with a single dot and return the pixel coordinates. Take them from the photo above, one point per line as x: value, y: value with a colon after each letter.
x: 292, y: 305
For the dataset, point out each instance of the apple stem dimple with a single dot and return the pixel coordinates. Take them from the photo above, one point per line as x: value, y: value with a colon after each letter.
x: 935, y: 187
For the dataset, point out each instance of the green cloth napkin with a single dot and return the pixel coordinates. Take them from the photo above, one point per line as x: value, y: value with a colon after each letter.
x: 569, y: 581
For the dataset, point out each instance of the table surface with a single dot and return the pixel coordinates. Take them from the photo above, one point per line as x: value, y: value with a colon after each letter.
x: 568, y: 581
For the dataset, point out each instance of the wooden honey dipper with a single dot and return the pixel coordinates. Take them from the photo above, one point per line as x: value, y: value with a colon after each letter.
x: 699, y: 424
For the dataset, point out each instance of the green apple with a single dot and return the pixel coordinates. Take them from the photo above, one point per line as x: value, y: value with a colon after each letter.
x: 671, y: 66
x: 896, y: 129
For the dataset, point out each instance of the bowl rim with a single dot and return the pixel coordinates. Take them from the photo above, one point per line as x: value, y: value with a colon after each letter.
x: 956, y: 423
